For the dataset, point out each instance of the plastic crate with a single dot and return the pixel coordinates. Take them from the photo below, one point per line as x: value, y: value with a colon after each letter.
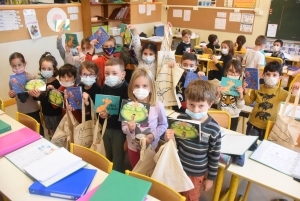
x: 114, y: 31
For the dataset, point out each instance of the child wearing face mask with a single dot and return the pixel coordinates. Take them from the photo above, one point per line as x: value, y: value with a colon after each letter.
x: 114, y: 138
x: 233, y: 104
x: 88, y: 72
x: 276, y: 50
x: 268, y: 99
x: 146, y: 54
x: 254, y: 58
x: 48, y: 69
x: 25, y: 102
x: 142, y: 89
x: 109, y: 48
x: 185, y: 45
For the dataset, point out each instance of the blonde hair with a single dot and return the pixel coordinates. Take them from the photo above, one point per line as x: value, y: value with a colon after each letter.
x: 148, y: 75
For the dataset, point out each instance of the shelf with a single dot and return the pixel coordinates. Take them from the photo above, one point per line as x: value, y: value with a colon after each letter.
x: 110, y: 20
x: 105, y: 4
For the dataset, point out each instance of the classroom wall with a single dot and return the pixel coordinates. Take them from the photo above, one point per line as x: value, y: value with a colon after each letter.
x: 259, y: 28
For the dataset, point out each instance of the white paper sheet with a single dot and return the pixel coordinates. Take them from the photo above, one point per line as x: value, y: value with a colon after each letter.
x: 246, y: 27
x: 228, y: 3
x: 73, y: 9
x: 235, y: 17
x: 29, y: 15
x: 149, y: 9
x: 74, y: 17
x: 153, y: 7
x: 9, y: 20
x: 187, y: 15
x: 272, y: 29
x: 221, y: 14
x: 142, y: 8
x: 247, y: 18
x: 177, y: 13
x: 220, y: 23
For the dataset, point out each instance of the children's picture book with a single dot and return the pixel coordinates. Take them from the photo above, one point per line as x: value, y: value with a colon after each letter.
x: 71, y: 40
x: 37, y: 83
x: 134, y: 111
x: 190, y: 76
x: 185, y: 129
x: 107, y: 103
x: 56, y: 97
x: 33, y: 29
x: 252, y: 78
x: 62, y: 24
x: 75, y: 97
x: 101, y: 36
x: 229, y: 86
x: 18, y: 82
x: 293, y: 68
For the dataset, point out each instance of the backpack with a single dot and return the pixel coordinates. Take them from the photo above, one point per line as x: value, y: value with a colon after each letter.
x: 130, y: 61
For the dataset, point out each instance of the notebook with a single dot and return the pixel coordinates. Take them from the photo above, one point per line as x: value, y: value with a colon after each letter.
x: 4, y: 127
x: 278, y: 157
x: 236, y: 144
x: 118, y: 186
x: 72, y: 187
x: 16, y: 140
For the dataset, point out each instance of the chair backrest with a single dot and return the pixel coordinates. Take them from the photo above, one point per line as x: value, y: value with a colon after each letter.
x: 178, y: 58
x: 270, y: 125
x: 158, y: 190
x: 2, y: 105
x: 92, y: 157
x: 212, y: 66
x: 239, y: 53
x: 269, y: 59
x: 223, y: 118
x: 208, y: 51
x: 28, y: 121
x: 296, y: 79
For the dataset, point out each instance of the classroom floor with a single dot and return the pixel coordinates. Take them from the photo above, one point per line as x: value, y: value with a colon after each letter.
x: 257, y: 193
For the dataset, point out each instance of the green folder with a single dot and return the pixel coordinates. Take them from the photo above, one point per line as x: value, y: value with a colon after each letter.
x: 118, y: 186
x: 4, y: 127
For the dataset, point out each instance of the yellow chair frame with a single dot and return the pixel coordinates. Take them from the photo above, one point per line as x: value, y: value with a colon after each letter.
x: 269, y: 59
x: 178, y: 58
x: 270, y: 125
x: 296, y: 79
x: 92, y: 157
x: 158, y: 190
x: 223, y: 118
x: 2, y: 105
x: 239, y: 53
x: 212, y: 66
x: 28, y: 121
x: 208, y: 51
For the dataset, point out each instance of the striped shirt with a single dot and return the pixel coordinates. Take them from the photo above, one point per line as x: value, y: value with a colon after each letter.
x: 199, y: 155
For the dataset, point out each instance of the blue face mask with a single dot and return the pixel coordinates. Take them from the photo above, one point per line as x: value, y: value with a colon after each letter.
x: 193, y: 115
x: 46, y: 73
x: 109, y: 51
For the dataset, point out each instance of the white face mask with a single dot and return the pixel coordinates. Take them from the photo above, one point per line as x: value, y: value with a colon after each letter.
x: 224, y: 51
x: 88, y: 81
x: 112, y: 80
x: 271, y: 81
x: 236, y: 77
x: 67, y: 84
x: 47, y: 73
x: 141, y: 93
x: 276, y: 48
x: 148, y: 59
x: 186, y: 42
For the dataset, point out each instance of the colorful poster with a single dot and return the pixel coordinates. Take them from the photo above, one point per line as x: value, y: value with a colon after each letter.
x: 53, y: 15
x: 34, y: 30
x: 75, y: 97
x: 244, y: 3
x: 134, y: 111
x: 62, y: 24
x: 107, y: 103
x: 229, y: 86
x: 101, y: 36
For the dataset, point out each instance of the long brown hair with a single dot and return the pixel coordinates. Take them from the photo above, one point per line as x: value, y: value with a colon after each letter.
x: 230, y: 45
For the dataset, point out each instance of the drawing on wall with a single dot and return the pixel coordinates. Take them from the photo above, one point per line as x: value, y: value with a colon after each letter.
x: 53, y: 15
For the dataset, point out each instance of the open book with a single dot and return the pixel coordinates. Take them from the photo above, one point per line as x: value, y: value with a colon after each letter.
x: 278, y: 157
x: 45, y: 162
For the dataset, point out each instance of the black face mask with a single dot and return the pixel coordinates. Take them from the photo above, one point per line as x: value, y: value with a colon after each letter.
x: 109, y: 51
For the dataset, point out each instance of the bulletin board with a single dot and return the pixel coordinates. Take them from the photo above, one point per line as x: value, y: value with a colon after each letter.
x: 219, y: 3
x: 140, y: 18
x: 41, y: 15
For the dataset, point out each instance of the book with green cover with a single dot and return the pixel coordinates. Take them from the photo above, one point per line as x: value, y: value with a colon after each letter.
x: 118, y: 186
x: 4, y: 127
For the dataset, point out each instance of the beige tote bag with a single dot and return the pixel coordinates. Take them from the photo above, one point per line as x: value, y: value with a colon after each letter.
x: 285, y: 131
x: 98, y: 144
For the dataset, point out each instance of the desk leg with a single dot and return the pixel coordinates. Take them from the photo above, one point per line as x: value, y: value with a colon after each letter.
x: 247, y: 191
x: 243, y: 126
x: 219, y: 182
x: 234, y: 184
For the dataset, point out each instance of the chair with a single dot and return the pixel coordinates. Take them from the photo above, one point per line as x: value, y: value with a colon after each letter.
x: 178, y: 58
x: 208, y: 50
x: 270, y: 125
x: 212, y: 66
x: 41, y: 113
x: 239, y: 53
x: 269, y: 59
x: 158, y: 190
x: 296, y: 79
x: 92, y: 157
x: 28, y: 121
x: 2, y: 105
x: 223, y: 118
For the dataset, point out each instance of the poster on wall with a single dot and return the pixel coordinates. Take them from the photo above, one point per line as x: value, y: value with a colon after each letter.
x: 246, y: 27
x: 34, y: 30
x: 244, y: 3
x: 207, y: 2
x: 272, y: 29
x: 247, y: 18
x: 53, y: 15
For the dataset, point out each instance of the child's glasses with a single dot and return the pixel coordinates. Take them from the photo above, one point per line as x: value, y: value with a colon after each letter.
x: 231, y: 72
x: 88, y: 75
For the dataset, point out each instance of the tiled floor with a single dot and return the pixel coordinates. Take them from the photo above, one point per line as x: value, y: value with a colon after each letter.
x: 257, y: 193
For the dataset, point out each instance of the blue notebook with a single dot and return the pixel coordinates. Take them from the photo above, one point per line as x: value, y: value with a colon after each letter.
x: 71, y: 187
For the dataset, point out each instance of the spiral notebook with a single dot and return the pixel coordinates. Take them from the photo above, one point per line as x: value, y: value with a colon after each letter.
x: 278, y: 157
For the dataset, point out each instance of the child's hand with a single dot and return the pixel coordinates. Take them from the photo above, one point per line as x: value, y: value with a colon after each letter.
x: 60, y: 33
x: 241, y: 91
x: 171, y: 64
x: 68, y: 49
x: 50, y: 87
x: 169, y: 134
x: 296, y: 87
x: 131, y: 125
x: 220, y: 88
x: 11, y: 93
x: 35, y: 93
x: 201, y: 73
x: 207, y: 184
x: 93, y: 43
x: 85, y: 97
x: 131, y: 26
x: 214, y: 58
x: 245, y: 85
x: 169, y: 25
x: 70, y: 108
x: 103, y: 115
x: 65, y: 95
x: 149, y: 138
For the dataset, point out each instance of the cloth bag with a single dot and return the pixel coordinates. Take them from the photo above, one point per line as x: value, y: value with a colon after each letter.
x: 98, y: 144
x: 64, y: 132
x: 146, y: 164
x: 84, y: 132
x: 285, y: 131
x: 169, y: 170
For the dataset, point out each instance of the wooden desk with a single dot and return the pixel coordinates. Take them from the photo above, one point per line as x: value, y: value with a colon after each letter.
x: 169, y: 111
x: 12, y: 122
x: 1, y: 112
x: 264, y: 176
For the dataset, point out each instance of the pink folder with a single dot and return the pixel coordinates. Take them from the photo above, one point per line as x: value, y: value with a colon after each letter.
x: 16, y: 140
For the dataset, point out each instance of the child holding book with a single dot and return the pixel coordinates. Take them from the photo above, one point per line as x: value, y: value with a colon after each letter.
x: 49, y: 71
x: 277, y: 45
x: 109, y: 48
x: 25, y: 102
x: 185, y: 45
x: 268, y: 98
x: 114, y: 138
x: 253, y: 57
x: 201, y: 154
x: 142, y: 89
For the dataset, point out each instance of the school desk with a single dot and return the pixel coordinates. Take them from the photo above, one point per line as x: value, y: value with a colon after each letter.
x: 2, y: 112
x: 15, y: 125
x: 169, y: 111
